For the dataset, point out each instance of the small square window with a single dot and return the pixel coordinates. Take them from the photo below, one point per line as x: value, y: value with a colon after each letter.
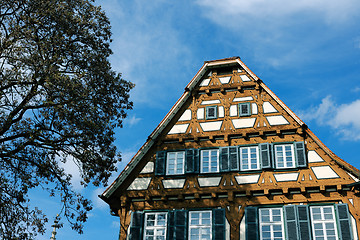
x: 211, y: 112
x: 244, y: 109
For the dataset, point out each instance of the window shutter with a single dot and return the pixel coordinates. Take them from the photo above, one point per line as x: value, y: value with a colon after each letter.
x: 300, y: 154
x: 180, y: 220
x: 160, y: 163
x: 171, y: 225
x: 234, y: 158
x: 265, y: 155
x: 344, y: 224
x: 251, y: 223
x: 244, y: 109
x: 303, y: 222
x: 218, y: 221
x: 136, y: 226
x: 290, y: 222
x: 224, y: 159
x: 191, y: 160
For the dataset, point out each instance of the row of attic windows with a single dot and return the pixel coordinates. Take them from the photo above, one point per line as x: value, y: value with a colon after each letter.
x: 242, y: 158
x: 244, y: 111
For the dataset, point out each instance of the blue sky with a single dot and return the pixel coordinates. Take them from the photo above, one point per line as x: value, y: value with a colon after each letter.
x: 306, y: 51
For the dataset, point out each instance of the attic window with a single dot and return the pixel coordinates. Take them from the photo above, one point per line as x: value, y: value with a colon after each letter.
x: 244, y: 109
x: 211, y: 112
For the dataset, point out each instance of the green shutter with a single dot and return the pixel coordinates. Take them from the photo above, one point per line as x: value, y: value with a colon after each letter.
x: 344, y: 223
x: 191, y: 160
x: 218, y: 224
x: 234, y: 159
x: 136, y: 226
x: 290, y: 222
x: 171, y: 225
x: 265, y: 155
x: 180, y: 220
x: 300, y: 154
x: 303, y: 218
x: 251, y: 223
x: 160, y: 163
x: 224, y: 159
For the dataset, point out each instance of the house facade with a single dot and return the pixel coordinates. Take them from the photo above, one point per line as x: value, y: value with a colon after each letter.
x: 231, y: 161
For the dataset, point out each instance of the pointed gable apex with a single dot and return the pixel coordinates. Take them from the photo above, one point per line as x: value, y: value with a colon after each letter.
x: 193, y: 84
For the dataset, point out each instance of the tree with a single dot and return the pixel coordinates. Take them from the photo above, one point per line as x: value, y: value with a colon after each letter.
x: 60, y: 101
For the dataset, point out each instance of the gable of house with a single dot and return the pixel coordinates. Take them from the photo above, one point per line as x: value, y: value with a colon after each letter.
x: 231, y: 160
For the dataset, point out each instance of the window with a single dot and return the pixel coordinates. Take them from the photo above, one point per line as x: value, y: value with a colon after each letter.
x: 323, y: 223
x: 211, y: 112
x: 209, y: 161
x: 155, y: 226
x: 200, y: 225
x: 244, y: 109
x: 249, y: 158
x: 175, y: 163
x: 284, y: 156
x: 271, y: 225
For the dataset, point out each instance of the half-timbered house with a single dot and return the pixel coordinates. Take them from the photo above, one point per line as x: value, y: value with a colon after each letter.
x: 231, y: 161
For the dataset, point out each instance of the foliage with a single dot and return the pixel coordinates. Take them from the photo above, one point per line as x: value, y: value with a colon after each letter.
x: 59, y: 101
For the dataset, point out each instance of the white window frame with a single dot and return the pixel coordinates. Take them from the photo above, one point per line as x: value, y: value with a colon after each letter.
x: 156, y: 227
x: 208, y: 152
x: 271, y: 223
x: 177, y: 161
x: 323, y: 221
x: 200, y: 225
x: 249, y: 158
x: 215, y: 108
x: 283, y: 146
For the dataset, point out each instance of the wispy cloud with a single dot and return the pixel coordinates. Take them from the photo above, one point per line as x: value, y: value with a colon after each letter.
x: 132, y: 120
x: 343, y: 118
x: 71, y: 168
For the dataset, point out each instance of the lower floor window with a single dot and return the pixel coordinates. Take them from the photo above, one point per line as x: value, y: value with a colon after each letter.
x: 271, y: 226
x: 155, y: 226
x: 323, y: 223
x: 200, y: 225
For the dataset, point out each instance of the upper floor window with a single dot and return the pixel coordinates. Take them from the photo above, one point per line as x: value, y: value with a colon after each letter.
x: 249, y: 158
x: 244, y: 109
x: 200, y: 225
x: 155, y: 226
x: 271, y: 225
x: 323, y: 222
x: 211, y: 112
x: 209, y: 161
x: 284, y: 156
x: 175, y: 163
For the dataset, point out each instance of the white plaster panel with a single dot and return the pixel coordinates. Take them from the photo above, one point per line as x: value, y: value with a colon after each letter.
x: 269, y: 108
x: 210, y: 102
x: 149, y: 168
x: 200, y: 113
x: 354, y: 228
x: 243, y: 228
x: 173, y: 183
x: 245, y: 78
x: 209, y: 182
x: 254, y: 108
x: 233, y: 110
x: 205, y: 82
x: 242, y: 99
x: 324, y: 172
x: 186, y: 116
x: 179, y: 128
x: 221, y: 112
x: 211, y: 126
x: 243, y: 122
x: 227, y: 229
x: 225, y: 80
x: 247, y: 179
x: 353, y: 177
x: 277, y: 120
x: 140, y: 184
x: 313, y: 156
x: 284, y: 177
x: 239, y: 70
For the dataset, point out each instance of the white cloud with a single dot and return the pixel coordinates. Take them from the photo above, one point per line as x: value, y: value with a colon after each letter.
x: 71, y: 168
x: 133, y: 120
x: 343, y: 118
